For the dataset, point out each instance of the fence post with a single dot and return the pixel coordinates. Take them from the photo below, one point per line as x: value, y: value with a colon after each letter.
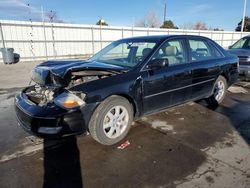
x: 122, y: 45
x: 53, y: 40
x: 93, y: 44
x: 1, y: 31
x: 222, y: 38
x: 44, y: 34
x: 31, y: 40
x: 101, y: 35
x: 45, y: 41
x: 232, y: 38
x: 122, y: 33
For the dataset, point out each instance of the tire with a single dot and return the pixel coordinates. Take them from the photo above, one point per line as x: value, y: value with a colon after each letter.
x: 219, y: 92
x: 111, y: 120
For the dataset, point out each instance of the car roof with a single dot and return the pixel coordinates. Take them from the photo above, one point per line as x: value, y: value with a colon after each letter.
x: 162, y: 37
x: 248, y: 36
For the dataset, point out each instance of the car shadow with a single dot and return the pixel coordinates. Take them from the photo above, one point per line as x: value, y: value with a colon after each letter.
x: 236, y: 107
x: 62, y: 166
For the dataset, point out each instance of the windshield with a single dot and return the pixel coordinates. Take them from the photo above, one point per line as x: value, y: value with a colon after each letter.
x: 242, y: 43
x: 126, y: 53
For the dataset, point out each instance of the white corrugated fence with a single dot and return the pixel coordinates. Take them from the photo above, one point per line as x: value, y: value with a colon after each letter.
x: 40, y: 41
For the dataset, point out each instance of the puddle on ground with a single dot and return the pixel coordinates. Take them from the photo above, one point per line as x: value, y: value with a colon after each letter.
x: 3, y: 92
x: 34, y: 140
x: 157, y: 124
x: 237, y: 89
x: 244, y: 129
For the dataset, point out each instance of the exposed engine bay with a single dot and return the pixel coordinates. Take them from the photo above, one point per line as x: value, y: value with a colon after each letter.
x: 81, y: 77
x: 52, y: 78
x: 46, y: 88
x: 40, y: 95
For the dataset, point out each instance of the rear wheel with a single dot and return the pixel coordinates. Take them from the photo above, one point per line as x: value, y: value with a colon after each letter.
x: 111, y: 120
x: 219, y: 92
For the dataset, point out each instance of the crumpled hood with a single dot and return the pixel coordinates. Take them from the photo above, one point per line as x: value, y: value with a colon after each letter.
x: 51, y: 72
x: 240, y: 52
x: 60, y: 68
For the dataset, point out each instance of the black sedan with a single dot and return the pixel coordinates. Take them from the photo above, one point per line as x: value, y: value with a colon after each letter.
x: 242, y: 49
x: 128, y: 79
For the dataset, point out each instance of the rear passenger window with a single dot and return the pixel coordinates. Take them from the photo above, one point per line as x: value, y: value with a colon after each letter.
x: 200, y: 50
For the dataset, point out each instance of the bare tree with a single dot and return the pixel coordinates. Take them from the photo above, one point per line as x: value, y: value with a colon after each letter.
x: 200, y: 26
x: 150, y: 20
x: 52, y: 17
x: 141, y: 23
x: 187, y: 26
x: 197, y: 26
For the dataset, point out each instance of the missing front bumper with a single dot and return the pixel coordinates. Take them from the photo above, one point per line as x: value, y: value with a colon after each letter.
x: 51, y: 121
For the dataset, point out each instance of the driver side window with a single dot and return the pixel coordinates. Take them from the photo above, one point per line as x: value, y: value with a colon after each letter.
x: 173, y: 51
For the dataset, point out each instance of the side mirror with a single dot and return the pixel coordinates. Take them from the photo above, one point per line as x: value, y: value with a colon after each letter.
x: 157, y: 63
x: 229, y: 47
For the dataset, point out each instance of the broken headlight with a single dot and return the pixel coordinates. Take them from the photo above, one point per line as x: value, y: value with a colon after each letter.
x: 70, y: 100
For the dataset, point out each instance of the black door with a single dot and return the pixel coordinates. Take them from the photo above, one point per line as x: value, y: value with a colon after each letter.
x: 170, y: 85
x: 205, y: 60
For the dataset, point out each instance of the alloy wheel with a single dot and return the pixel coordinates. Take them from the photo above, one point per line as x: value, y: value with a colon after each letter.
x: 219, y: 90
x: 115, y: 121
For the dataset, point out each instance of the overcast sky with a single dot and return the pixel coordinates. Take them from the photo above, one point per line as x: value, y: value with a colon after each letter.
x: 223, y: 14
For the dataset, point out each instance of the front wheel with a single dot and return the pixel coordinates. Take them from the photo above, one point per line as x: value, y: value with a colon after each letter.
x: 111, y: 120
x: 219, y: 92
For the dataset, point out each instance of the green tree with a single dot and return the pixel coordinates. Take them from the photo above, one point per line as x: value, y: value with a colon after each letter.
x: 169, y: 25
x: 246, y: 25
x: 102, y: 22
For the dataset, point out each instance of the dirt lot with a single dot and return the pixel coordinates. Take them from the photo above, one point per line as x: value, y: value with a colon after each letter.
x: 186, y: 146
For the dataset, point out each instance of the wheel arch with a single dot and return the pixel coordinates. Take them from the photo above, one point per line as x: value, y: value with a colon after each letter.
x: 225, y: 75
x: 131, y: 101
x: 94, y: 124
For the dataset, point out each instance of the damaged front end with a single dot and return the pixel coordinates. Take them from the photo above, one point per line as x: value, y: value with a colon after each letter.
x: 41, y: 95
x: 48, y: 87
x: 49, y: 107
x: 46, y: 114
